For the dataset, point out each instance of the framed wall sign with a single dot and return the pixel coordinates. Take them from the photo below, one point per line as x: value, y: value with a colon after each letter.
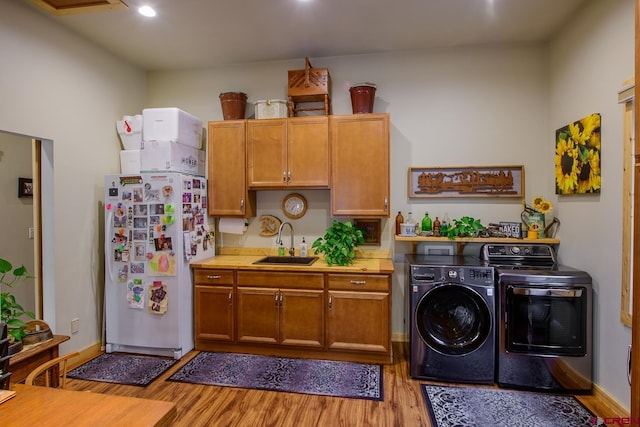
x: 370, y: 230
x: 25, y: 187
x: 466, y: 181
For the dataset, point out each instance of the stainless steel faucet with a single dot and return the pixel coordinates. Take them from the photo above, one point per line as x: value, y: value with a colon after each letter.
x: 292, y: 249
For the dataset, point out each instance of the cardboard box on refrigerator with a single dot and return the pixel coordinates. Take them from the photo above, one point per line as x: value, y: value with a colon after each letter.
x: 166, y: 156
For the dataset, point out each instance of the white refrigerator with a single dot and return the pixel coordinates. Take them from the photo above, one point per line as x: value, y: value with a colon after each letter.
x: 155, y: 225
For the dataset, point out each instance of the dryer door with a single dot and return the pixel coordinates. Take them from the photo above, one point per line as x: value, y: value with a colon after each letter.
x: 453, y: 319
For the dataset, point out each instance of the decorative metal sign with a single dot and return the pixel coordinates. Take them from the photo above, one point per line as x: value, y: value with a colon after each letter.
x: 467, y: 181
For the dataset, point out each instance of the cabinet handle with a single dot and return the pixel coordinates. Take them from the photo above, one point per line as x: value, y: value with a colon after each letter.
x: 280, y: 299
x: 358, y: 282
x: 330, y: 302
x: 386, y: 204
x: 284, y: 176
x: 230, y: 297
x: 289, y: 176
x: 242, y: 205
x: 211, y: 277
x: 276, y: 299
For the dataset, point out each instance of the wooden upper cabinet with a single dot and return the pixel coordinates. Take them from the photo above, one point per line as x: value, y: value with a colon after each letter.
x: 308, y: 151
x: 267, y: 152
x: 360, y: 165
x: 228, y: 192
x: 288, y: 153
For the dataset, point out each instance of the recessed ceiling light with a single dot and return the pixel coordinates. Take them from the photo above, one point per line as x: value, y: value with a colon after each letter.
x: 147, y: 11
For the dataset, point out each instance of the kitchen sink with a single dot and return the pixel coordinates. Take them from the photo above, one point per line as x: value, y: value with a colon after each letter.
x: 287, y: 260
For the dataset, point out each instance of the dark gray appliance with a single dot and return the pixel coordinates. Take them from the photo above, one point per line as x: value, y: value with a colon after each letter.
x: 452, y: 318
x: 544, y: 317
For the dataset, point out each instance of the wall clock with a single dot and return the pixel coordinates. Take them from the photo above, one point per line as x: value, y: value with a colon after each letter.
x: 294, y: 205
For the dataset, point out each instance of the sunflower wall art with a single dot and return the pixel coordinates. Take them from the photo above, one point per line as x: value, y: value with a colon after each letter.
x: 577, y: 158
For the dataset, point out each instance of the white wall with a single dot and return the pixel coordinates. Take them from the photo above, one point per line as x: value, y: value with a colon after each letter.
x: 56, y: 86
x: 589, y: 61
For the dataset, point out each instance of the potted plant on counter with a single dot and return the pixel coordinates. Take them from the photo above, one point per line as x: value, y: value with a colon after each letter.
x: 339, y: 242
x: 11, y: 312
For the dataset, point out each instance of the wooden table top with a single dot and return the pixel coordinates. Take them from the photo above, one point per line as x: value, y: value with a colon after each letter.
x: 32, y: 406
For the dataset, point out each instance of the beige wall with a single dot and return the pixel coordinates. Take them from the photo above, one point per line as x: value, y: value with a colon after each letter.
x: 590, y: 60
x: 57, y: 86
x: 17, y: 214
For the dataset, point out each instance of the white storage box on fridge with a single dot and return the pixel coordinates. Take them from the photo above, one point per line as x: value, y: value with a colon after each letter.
x: 171, y: 124
x: 271, y: 109
x: 130, y: 161
x: 130, y: 131
x: 165, y: 156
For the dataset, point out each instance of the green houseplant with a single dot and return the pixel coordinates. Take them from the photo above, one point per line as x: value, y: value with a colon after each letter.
x: 464, y: 227
x: 11, y: 312
x: 339, y: 242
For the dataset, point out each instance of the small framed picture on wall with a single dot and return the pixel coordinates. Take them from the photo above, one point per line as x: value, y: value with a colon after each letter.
x: 25, y: 187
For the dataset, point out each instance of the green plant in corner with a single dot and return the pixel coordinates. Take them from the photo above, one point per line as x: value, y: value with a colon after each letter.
x: 463, y: 227
x: 338, y: 243
x: 10, y: 311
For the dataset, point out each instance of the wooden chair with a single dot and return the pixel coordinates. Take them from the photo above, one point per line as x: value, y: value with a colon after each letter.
x: 54, y: 372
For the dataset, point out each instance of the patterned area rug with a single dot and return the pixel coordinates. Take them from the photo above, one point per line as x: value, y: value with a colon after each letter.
x: 467, y: 406
x: 122, y: 369
x: 322, y: 377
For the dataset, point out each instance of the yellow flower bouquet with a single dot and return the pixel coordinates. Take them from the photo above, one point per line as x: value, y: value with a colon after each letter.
x: 533, y: 215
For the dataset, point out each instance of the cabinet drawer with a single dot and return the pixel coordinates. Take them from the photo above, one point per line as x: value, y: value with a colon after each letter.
x: 359, y: 282
x: 281, y: 280
x: 203, y: 276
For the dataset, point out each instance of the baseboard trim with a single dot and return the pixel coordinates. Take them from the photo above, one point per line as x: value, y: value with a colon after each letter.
x: 86, y: 354
x: 399, y: 337
x: 608, y: 401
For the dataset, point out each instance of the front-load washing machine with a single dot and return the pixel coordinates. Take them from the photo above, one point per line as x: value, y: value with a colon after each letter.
x: 451, y: 303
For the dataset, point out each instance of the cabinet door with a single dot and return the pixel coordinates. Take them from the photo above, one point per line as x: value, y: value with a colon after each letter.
x: 359, y: 321
x: 213, y: 313
x: 360, y: 165
x: 302, y: 318
x: 267, y: 153
x: 228, y: 193
x: 258, y: 315
x: 308, y: 152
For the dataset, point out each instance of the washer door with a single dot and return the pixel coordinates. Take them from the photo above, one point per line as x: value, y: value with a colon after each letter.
x: 453, y: 319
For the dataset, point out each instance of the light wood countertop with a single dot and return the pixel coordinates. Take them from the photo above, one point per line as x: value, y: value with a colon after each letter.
x: 245, y: 262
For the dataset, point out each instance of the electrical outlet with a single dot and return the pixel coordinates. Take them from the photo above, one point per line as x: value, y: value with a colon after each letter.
x: 32, y: 232
x: 75, y: 325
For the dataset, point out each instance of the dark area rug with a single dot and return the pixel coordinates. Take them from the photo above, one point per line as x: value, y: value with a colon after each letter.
x: 322, y: 377
x: 122, y: 369
x: 470, y: 406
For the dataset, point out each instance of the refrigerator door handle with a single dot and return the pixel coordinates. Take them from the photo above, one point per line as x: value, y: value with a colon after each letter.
x: 107, y: 252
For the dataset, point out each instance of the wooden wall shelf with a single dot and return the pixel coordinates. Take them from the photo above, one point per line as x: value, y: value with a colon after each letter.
x: 462, y: 241
x: 475, y: 240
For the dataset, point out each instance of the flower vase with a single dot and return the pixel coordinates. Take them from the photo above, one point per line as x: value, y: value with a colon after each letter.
x: 535, y: 222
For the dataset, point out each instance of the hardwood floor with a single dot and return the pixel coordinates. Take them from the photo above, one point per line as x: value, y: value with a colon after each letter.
x: 201, y: 405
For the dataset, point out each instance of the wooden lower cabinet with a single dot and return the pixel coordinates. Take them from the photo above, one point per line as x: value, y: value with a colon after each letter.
x: 292, y: 317
x: 214, y: 308
x: 215, y: 314
x: 292, y: 314
x: 359, y: 313
x: 358, y: 321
